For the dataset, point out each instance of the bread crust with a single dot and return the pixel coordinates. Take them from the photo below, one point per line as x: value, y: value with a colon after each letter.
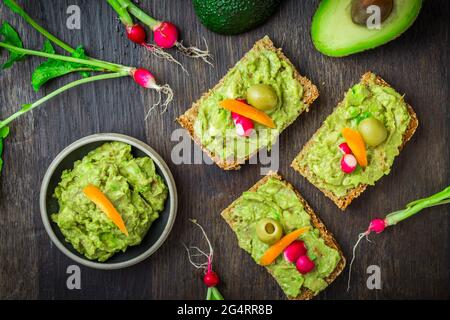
x: 326, y: 235
x: 344, y: 201
x: 187, y: 120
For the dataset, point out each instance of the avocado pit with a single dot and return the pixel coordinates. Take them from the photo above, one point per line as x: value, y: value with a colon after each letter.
x: 360, y: 14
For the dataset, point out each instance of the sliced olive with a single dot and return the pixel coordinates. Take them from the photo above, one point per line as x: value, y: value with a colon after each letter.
x: 262, y: 97
x: 373, y: 131
x: 269, y: 230
x: 360, y: 14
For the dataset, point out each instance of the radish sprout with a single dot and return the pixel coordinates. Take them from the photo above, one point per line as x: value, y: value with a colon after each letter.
x: 58, y: 65
x: 137, y: 34
x: 148, y: 82
x: 210, y: 278
x: 379, y: 225
x: 165, y: 34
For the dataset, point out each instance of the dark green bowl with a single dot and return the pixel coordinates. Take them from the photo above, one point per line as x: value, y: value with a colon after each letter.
x: 157, y: 233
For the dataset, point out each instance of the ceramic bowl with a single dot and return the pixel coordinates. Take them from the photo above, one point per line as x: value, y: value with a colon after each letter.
x: 158, y: 231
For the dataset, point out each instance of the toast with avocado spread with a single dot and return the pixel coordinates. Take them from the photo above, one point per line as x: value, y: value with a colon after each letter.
x: 273, y: 199
x: 213, y: 127
x: 380, y: 123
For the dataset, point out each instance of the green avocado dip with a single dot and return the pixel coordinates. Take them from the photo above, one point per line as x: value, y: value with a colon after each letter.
x: 214, y: 125
x: 131, y: 184
x: 322, y: 156
x: 276, y: 200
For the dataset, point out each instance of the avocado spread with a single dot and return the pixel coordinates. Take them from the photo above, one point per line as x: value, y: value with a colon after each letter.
x: 275, y: 200
x: 214, y: 125
x: 322, y: 155
x: 131, y: 184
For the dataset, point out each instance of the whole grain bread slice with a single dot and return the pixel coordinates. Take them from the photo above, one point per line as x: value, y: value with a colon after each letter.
x: 344, y: 201
x: 326, y: 235
x: 187, y: 120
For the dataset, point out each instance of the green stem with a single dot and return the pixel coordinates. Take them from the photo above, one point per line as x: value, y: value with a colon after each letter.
x: 124, y: 15
x: 414, y: 207
x: 94, y: 63
x: 214, y: 294
x: 14, y: 6
x: 61, y: 90
x: 444, y: 192
x: 139, y: 14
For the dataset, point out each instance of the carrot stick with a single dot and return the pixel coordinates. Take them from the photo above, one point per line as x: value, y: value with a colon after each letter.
x: 248, y: 111
x: 356, y: 144
x: 102, y: 202
x: 275, y: 250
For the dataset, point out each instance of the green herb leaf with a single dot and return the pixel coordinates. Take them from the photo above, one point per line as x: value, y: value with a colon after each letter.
x: 48, y: 47
x: 52, y: 68
x: 81, y: 54
x: 10, y: 36
x: 4, y: 132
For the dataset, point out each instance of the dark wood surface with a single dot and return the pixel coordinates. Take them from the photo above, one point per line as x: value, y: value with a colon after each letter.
x: 413, y: 256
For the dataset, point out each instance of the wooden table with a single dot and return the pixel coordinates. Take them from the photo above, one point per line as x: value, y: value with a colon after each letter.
x: 413, y: 257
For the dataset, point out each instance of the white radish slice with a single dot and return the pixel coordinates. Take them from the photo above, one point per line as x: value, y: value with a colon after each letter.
x: 348, y: 163
x: 244, y: 125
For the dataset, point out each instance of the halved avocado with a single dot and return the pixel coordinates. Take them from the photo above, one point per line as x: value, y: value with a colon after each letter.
x: 335, y: 34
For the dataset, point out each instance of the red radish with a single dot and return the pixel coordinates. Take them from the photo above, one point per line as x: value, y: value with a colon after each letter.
x: 345, y: 149
x: 304, y: 264
x: 294, y: 251
x: 166, y: 35
x: 348, y: 163
x: 244, y: 125
x: 210, y: 279
x: 136, y: 33
x: 377, y: 225
x: 145, y: 78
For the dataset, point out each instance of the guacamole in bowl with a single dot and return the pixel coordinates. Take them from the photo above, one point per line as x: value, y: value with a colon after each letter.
x: 132, y: 177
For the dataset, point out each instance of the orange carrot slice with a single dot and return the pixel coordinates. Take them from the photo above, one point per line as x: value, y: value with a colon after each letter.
x: 356, y: 144
x: 248, y: 111
x: 102, y: 202
x: 275, y: 250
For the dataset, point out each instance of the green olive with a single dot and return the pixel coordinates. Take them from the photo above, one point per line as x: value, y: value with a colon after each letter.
x: 262, y: 97
x: 360, y: 14
x: 269, y: 231
x: 373, y: 131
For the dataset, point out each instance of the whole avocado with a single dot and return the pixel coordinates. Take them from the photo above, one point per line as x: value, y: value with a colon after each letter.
x: 234, y: 16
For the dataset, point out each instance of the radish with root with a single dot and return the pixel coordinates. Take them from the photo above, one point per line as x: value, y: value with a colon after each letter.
x: 165, y: 34
x: 141, y: 76
x: 378, y: 225
x: 210, y: 278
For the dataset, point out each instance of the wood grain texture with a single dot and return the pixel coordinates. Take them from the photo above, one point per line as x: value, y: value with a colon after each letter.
x: 413, y: 256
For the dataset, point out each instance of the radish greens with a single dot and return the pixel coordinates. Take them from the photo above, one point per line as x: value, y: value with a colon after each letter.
x: 58, y: 65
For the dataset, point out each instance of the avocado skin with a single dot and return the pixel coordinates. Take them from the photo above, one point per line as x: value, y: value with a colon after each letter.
x: 234, y: 16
